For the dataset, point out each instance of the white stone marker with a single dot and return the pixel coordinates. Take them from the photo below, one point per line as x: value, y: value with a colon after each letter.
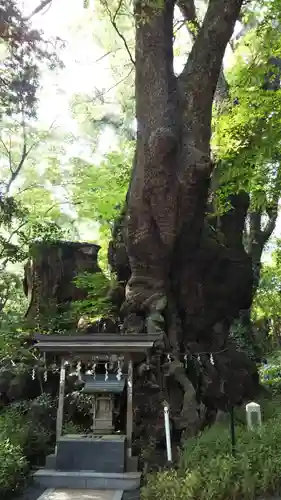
x: 253, y: 409
x: 168, y: 433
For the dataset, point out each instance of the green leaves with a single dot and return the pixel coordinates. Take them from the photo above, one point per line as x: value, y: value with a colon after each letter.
x: 246, y: 140
x: 100, y: 190
x: 25, y: 52
x: 13, y: 468
x: 97, y: 303
x: 209, y: 472
x: 267, y: 301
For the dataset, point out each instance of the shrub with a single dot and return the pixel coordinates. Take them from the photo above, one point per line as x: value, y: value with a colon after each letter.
x: 38, y: 443
x: 43, y: 410
x: 25, y: 438
x: 207, y: 471
x: 13, y: 468
x: 72, y: 428
x: 33, y: 438
x: 78, y: 402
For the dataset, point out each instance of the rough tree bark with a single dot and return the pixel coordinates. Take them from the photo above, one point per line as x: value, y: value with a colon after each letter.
x: 48, y: 280
x: 182, y: 276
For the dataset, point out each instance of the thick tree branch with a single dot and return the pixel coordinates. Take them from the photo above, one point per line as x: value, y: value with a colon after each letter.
x: 222, y: 90
x: 272, y: 208
x: 155, y: 79
x: 200, y: 75
x: 187, y: 8
x: 258, y: 237
x: 270, y: 226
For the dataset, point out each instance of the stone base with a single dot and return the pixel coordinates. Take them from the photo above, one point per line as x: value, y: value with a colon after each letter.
x: 50, y: 478
x: 91, y: 453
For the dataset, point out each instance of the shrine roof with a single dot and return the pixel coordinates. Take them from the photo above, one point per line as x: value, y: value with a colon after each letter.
x: 101, y: 385
x: 96, y: 343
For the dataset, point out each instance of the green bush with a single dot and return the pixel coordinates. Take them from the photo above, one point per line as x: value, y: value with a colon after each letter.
x: 25, y: 438
x: 43, y: 410
x: 13, y: 469
x: 33, y: 438
x: 207, y: 471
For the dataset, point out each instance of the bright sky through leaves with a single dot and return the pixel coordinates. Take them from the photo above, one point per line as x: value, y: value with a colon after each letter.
x: 82, y: 73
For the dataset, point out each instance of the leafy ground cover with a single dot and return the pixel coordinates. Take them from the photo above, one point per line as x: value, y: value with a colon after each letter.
x: 206, y: 469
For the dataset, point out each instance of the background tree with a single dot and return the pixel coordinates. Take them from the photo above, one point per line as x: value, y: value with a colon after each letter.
x: 267, y: 305
x: 28, y: 209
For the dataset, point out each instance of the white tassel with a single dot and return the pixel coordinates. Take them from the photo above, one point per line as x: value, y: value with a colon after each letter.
x: 119, y: 370
x: 94, y: 370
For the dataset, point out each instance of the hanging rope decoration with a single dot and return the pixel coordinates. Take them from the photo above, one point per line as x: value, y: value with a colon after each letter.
x: 78, y: 370
x: 119, y: 370
x: 94, y: 368
x: 45, y: 369
x: 188, y: 356
x: 112, y: 363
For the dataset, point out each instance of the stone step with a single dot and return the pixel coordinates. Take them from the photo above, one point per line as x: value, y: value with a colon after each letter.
x: 51, y: 461
x: 51, y: 478
x: 63, y: 494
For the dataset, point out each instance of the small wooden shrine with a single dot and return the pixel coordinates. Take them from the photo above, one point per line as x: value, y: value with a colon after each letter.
x: 104, y: 367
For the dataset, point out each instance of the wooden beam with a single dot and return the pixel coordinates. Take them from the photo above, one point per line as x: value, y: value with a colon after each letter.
x: 59, y: 423
x: 129, y: 409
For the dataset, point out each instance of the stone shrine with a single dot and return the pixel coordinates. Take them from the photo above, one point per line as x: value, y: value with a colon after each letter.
x: 101, y: 459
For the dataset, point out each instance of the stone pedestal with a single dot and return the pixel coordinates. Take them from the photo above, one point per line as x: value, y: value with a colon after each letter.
x: 95, y: 453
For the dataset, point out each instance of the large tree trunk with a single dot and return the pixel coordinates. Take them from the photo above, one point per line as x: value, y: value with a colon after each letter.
x: 49, y: 281
x: 185, y: 278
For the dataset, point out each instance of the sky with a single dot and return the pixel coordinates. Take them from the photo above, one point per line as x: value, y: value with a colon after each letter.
x: 85, y: 67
